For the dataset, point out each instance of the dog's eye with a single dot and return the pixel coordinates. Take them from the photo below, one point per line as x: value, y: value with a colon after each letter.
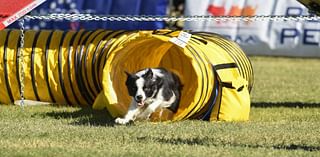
x: 146, y: 89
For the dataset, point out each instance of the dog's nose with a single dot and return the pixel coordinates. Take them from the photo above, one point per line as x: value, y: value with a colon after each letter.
x: 139, y: 97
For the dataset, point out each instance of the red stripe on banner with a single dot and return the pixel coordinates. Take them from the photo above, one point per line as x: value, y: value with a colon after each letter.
x: 1, y: 26
x: 216, y: 10
x: 15, y: 9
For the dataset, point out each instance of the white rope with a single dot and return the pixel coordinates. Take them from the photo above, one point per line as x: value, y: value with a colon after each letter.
x: 90, y: 17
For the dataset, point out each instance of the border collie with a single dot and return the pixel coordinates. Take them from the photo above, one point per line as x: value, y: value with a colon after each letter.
x: 150, y: 89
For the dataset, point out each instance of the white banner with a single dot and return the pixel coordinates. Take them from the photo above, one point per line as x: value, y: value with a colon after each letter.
x: 279, y: 38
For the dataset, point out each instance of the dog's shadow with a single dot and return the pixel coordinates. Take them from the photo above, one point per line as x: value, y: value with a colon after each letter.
x: 84, y: 116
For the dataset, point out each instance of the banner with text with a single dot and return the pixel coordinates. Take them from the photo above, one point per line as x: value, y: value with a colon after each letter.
x: 277, y: 38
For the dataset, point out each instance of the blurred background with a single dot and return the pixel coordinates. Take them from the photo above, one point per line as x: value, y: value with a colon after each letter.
x: 280, y: 38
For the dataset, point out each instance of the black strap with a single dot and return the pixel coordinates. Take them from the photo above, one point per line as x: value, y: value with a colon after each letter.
x: 201, y: 40
x: 225, y: 66
x: 229, y: 85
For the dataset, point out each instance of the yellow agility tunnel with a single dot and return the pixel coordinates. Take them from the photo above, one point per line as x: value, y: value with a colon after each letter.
x: 86, y: 68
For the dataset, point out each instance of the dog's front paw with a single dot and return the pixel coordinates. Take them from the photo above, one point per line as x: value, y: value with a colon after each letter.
x: 123, y: 121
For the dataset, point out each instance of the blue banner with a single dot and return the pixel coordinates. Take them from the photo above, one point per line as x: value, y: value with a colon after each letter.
x: 99, y: 7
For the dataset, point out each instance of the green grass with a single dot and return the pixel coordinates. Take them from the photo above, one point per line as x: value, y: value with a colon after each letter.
x: 284, y: 121
x: 286, y: 80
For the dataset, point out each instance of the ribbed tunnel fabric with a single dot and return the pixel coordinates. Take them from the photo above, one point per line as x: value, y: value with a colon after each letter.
x: 87, y: 68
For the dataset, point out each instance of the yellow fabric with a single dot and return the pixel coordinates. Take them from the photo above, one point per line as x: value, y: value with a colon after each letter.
x: 29, y: 39
x: 39, y: 66
x: 192, y: 63
x: 53, y: 73
x: 4, y: 95
x: 93, y: 48
x: 11, y: 62
x: 87, y: 48
x: 88, y: 68
x: 73, y: 72
x: 233, y: 104
x: 63, y: 57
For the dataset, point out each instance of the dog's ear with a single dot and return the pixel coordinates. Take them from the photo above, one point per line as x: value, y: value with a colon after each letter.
x: 128, y: 74
x: 149, y: 74
x: 159, y: 82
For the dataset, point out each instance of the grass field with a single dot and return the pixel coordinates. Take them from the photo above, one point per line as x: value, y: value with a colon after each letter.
x: 284, y: 121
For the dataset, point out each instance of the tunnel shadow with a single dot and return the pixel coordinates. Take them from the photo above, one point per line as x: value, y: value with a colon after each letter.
x: 84, y: 116
x: 285, y: 104
x: 210, y: 142
x: 89, y: 116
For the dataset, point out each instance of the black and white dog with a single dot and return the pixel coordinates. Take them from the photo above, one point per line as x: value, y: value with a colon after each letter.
x: 150, y: 89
